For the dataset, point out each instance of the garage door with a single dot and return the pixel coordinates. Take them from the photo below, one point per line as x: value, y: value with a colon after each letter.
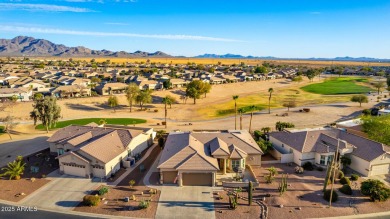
x: 380, y: 169
x: 74, y: 171
x: 169, y: 177
x: 197, y: 179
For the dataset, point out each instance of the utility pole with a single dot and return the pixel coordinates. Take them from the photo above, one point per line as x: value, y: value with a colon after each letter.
x: 335, y: 165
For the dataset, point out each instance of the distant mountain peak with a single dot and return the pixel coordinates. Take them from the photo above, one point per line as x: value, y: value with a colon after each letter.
x: 29, y: 46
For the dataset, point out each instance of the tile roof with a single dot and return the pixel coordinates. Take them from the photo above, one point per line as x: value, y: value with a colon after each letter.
x: 196, y: 150
x: 101, y: 143
x: 318, y: 140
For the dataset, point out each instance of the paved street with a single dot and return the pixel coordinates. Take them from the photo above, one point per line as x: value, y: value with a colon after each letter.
x: 27, y: 146
x: 62, y: 193
x: 12, y: 212
x: 186, y: 202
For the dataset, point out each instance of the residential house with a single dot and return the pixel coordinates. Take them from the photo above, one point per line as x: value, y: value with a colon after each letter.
x: 111, y: 88
x: 369, y: 157
x: 178, y: 83
x: 71, y: 91
x: 194, y: 158
x: 23, y: 94
x: 148, y: 85
x: 91, y: 151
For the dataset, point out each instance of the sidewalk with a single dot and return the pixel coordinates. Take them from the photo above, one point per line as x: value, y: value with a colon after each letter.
x: 378, y: 215
x: 129, y: 170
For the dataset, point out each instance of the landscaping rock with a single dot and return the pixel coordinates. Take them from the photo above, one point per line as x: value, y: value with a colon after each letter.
x: 299, y: 208
x: 281, y: 206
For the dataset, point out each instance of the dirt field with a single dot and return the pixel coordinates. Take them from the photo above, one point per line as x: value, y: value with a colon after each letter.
x: 305, y: 191
x: 202, y: 115
x: 222, y: 61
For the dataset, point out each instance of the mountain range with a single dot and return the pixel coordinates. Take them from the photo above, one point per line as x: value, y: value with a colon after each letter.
x: 29, y: 46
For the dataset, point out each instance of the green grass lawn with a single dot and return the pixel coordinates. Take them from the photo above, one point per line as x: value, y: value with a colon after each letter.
x: 112, y: 121
x: 336, y: 86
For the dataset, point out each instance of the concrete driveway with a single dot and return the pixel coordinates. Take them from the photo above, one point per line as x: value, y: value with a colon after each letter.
x: 9, y: 150
x: 64, y: 192
x: 186, y: 202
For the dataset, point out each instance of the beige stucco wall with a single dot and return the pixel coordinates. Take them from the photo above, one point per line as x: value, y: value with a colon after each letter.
x: 74, y: 159
x: 384, y: 159
x: 253, y: 160
x: 359, y: 165
x: 139, y: 143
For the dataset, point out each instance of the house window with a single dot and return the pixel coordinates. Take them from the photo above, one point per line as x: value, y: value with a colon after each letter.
x: 236, y: 164
x: 330, y: 158
x: 322, y: 160
x: 60, y: 151
x: 282, y: 145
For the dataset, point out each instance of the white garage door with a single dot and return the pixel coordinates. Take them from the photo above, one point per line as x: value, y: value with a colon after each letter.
x: 380, y: 169
x: 74, y: 171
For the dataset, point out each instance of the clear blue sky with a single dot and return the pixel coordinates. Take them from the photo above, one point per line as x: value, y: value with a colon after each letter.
x: 288, y: 28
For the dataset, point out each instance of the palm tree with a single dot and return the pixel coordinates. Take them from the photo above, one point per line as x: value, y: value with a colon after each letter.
x: 270, y: 90
x: 14, y: 169
x: 251, y: 108
x: 235, y: 97
x: 166, y: 100
x: 241, y: 111
x: 266, y: 129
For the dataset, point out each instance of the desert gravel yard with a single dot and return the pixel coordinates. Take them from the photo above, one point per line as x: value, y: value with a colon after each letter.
x: 303, y: 199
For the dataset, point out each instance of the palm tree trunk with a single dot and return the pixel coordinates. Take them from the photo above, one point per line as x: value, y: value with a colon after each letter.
x: 269, y: 104
x: 166, y: 112
x: 250, y: 123
x: 240, y: 121
x: 235, y: 118
x: 131, y: 105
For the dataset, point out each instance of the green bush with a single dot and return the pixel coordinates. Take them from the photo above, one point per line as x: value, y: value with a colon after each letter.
x: 103, y: 191
x: 91, y: 200
x: 375, y: 189
x: 143, y: 204
x: 354, y: 177
x: 346, y: 189
x: 345, y: 181
x: 308, y: 166
x: 335, y: 196
x: 257, y: 134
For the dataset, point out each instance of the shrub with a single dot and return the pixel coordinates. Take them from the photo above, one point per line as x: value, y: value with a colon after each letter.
x: 143, y: 204
x: 91, y: 200
x: 257, y: 134
x: 346, y: 189
x: 354, y: 177
x: 345, y: 181
x: 103, y: 191
x: 375, y: 189
x: 298, y: 170
x: 320, y: 168
x: 131, y: 183
x: 308, y: 166
x: 335, y: 196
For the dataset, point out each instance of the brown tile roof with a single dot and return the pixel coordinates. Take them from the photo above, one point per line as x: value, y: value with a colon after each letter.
x: 101, y: 143
x: 219, y: 147
x: 105, y: 148
x: 183, y: 149
x: 237, y: 153
x: 316, y: 141
x: 198, y: 162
